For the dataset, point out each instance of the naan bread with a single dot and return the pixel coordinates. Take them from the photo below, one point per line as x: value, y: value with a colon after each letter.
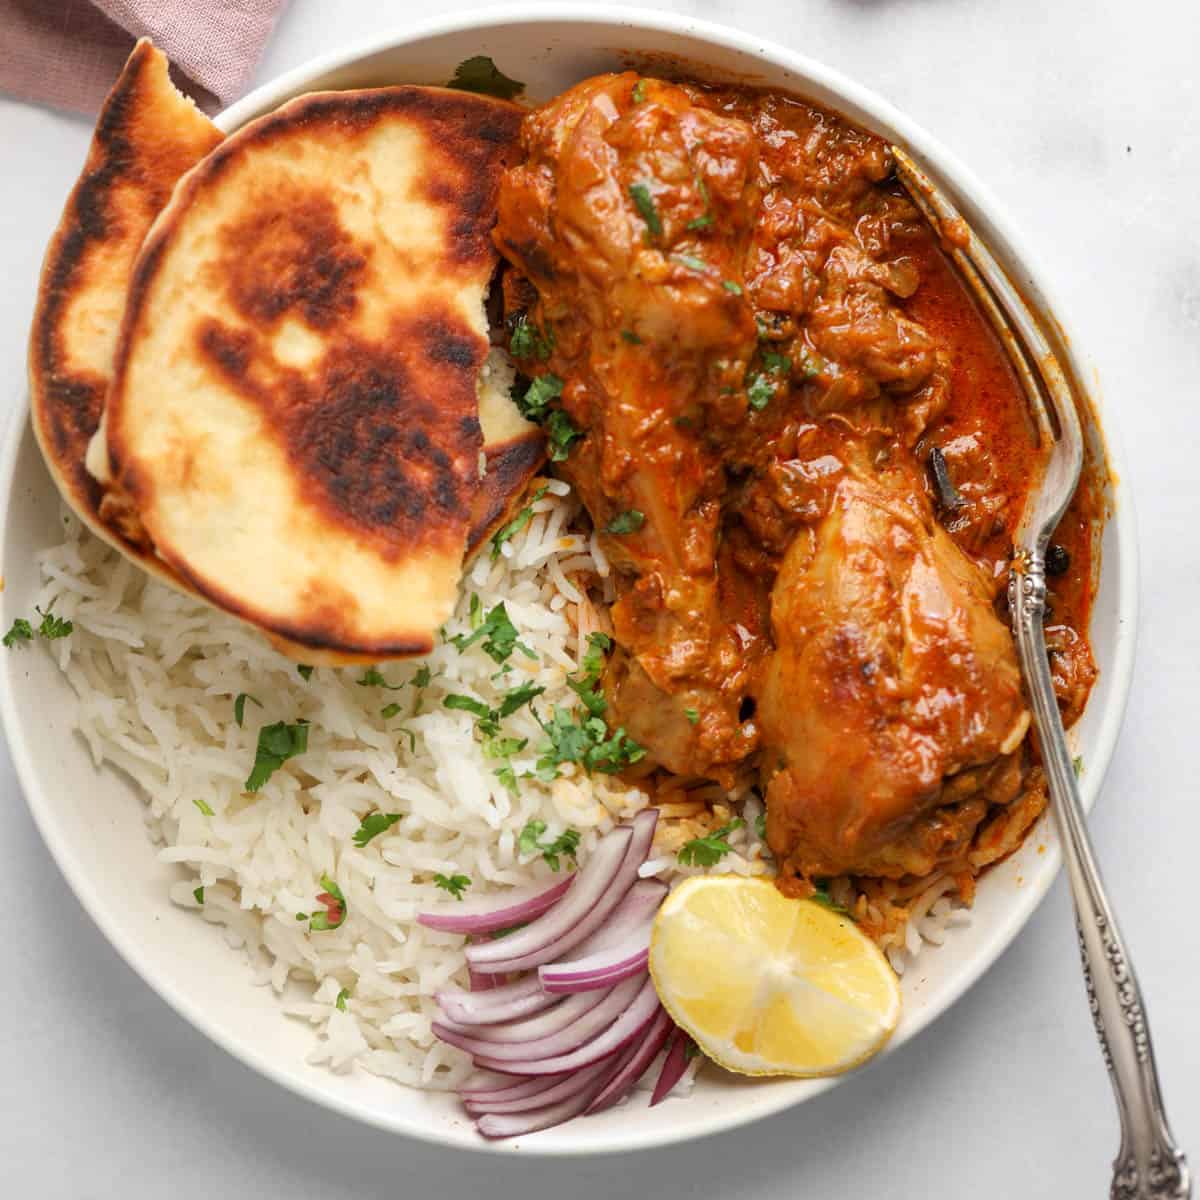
x: 147, y: 135
x: 294, y: 414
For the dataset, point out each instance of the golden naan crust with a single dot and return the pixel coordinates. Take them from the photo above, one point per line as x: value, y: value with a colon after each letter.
x: 147, y: 135
x: 294, y: 413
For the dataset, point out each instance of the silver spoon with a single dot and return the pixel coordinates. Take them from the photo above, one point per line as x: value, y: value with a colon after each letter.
x: 1149, y: 1165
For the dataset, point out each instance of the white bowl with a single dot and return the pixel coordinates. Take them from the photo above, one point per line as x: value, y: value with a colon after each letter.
x: 92, y: 821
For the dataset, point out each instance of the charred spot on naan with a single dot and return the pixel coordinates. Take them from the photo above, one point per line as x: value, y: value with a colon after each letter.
x: 147, y: 135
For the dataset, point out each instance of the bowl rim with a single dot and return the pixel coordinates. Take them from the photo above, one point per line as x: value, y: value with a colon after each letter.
x: 882, y: 114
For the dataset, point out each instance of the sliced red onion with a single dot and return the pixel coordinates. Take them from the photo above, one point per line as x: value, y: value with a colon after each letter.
x: 599, y: 970
x: 591, y: 1020
x: 517, y: 1087
x: 637, y: 908
x: 594, y: 883
x: 551, y: 1094
x: 504, y: 1003
x: 543, y: 1025
x: 584, y: 920
x: 502, y: 1125
x: 483, y: 1083
x: 634, y: 1061
x: 487, y: 913
x: 674, y: 1065
x: 628, y: 1025
x: 483, y: 983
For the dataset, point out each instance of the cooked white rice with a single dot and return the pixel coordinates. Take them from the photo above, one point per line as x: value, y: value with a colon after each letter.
x: 156, y: 674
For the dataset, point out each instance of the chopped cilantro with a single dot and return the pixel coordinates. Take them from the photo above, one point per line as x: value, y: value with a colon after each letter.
x: 372, y: 678
x: 822, y: 897
x: 422, y: 677
x: 304, y: 671
x: 479, y: 74
x: 690, y: 1050
x: 730, y: 286
x: 692, y: 715
x: 475, y: 611
x: 388, y: 711
x: 467, y: 704
x: 708, y: 851
x: 529, y: 842
x: 706, y: 220
x: 777, y: 364
x: 700, y: 222
x: 203, y: 807
x: 335, y: 907
x: 599, y: 644
x: 199, y: 894
x: 528, y: 341
x: 342, y: 997
x: 629, y: 521
x: 639, y: 91
x: 503, y: 747
x: 535, y: 403
x: 585, y: 741
x: 518, y: 697
x: 53, y: 627
x: 561, y: 433
x: 759, y: 393
x: 508, y: 778
x: 373, y: 824
x: 276, y: 744
x: 498, y: 635
x: 631, y: 337
x: 239, y: 706
x: 690, y: 261
x: 760, y: 826
x: 811, y: 365
x: 505, y: 532
x: 643, y: 201
x: 1077, y: 765
x: 454, y: 884
x: 21, y: 631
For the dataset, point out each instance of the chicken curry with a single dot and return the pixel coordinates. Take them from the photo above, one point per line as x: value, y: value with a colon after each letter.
x: 806, y: 453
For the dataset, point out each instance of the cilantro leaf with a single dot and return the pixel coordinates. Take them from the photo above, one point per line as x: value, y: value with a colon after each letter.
x: 304, y: 671
x: 527, y: 340
x: 239, y: 706
x: 759, y: 392
x: 629, y: 521
x: 1077, y: 765
x: 811, y: 364
x: 700, y: 222
x: 730, y: 286
x: 505, y: 532
x: 53, y: 627
x: 342, y: 997
x: 373, y: 824
x: 467, y: 704
x: 639, y: 91
x: 276, y: 744
x: 498, y: 635
x: 535, y: 403
x: 561, y: 434
x: 708, y: 851
x: 777, y: 364
x: 372, y: 678
x: 422, y: 677
x: 587, y: 742
x: 388, y: 711
x: 599, y: 644
x: 516, y: 698
x: 690, y: 261
x: 203, y: 807
x: 508, y: 778
x: 198, y: 893
x: 454, y: 884
x: 631, y: 337
x: 693, y: 716
x: 566, y: 844
x: 21, y: 631
x: 822, y: 897
x: 643, y: 201
x: 479, y: 74
x: 760, y: 826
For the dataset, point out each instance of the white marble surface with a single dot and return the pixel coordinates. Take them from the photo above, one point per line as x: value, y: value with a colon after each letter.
x: 1083, y: 116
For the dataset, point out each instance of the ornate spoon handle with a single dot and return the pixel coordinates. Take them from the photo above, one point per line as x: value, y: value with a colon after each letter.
x: 1149, y: 1166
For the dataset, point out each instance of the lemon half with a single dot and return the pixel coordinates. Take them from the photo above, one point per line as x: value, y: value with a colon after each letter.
x: 768, y: 985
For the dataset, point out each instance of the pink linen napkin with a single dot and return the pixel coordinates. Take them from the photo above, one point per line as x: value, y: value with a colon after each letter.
x: 68, y: 52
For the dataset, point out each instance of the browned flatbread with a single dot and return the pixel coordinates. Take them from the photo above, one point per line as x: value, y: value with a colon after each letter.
x: 294, y: 413
x: 147, y: 136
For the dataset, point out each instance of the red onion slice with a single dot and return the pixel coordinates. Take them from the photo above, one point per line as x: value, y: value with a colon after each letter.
x: 504, y: 1003
x: 484, y: 914
x: 584, y: 919
x: 593, y: 885
x: 543, y: 1025
x: 602, y: 969
x: 558, y: 1089
x: 628, y: 1025
x: 518, y: 1086
x: 503, y: 1125
x: 482, y: 1083
x: 634, y: 1061
x: 590, y: 1021
x: 674, y: 1065
x: 638, y: 908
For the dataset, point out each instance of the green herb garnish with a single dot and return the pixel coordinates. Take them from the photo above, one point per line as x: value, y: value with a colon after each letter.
x: 479, y: 74
x: 708, y: 851
x: 730, y: 286
x: 373, y: 824
x: 203, y: 807
x: 342, y: 997
x: 467, y: 704
x: 643, y: 201
x: 516, y: 698
x: 760, y: 826
x: 372, y: 678
x: 631, y: 337
x: 508, y: 778
x: 53, y: 627
x: 566, y: 844
x: 759, y: 392
x: 534, y: 405
x: 777, y: 364
x: 498, y: 635
x: 560, y: 434
x: 822, y: 897
x: 388, y: 711
x: 629, y: 521
x: 198, y: 893
x: 21, y: 631
x: 239, y: 706
x: 505, y: 532
x: 304, y: 671
x: 454, y: 884
x: 692, y: 715
x: 528, y: 341
x: 1077, y: 765
x: 276, y: 744
x: 585, y: 741
x: 639, y: 91
x: 422, y: 677
x: 322, y: 921
x: 690, y: 261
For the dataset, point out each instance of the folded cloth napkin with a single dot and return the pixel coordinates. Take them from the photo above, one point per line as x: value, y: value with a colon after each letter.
x: 68, y: 52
